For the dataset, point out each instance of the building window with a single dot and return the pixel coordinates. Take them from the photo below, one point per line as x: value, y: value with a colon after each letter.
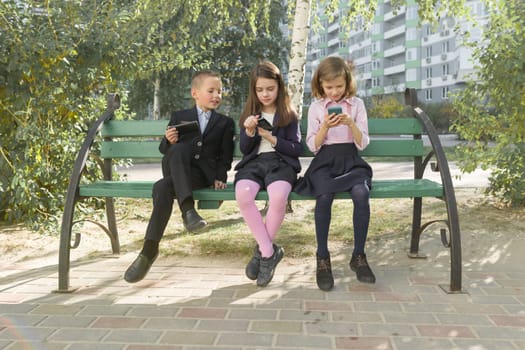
x: 428, y: 51
x: 444, y: 93
x: 444, y: 69
x: 429, y: 72
x: 428, y: 94
x: 445, y: 46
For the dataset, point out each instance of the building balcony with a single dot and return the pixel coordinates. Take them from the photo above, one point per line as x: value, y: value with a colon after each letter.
x: 390, y: 89
x: 333, y: 42
x: 397, y: 31
x: 362, y: 60
x: 396, y: 50
x: 391, y: 15
x: 399, y: 68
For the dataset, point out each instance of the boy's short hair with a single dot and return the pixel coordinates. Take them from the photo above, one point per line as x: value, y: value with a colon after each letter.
x: 198, y: 77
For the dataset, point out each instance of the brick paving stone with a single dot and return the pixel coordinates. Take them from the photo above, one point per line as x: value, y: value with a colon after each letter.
x: 153, y: 347
x: 463, y: 319
x: 357, y: 317
x: 97, y: 346
x: 413, y: 343
x: 413, y: 318
x: 445, y: 331
x: 67, y: 321
x: 327, y: 306
x: 102, y: 310
x: 238, y: 314
x: 23, y: 345
x: 276, y: 327
x: 223, y: 325
x: 192, y: 312
x: 26, y: 333
x: 170, y: 323
x: 118, y: 322
x: 484, y: 344
x: 363, y: 343
x: 19, y: 320
x: 517, y: 333
x: 56, y: 310
x: 79, y: 334
x: 16, y: 308
x: 133, y: 336
x: 374, y: 329
x: 153, y: 311
x: 508, y: 321
x: 331, y: 328
x: 377, y: 306
x: 259, y: 341
x: 304, y: 342
x: 294, y: 315
x: 188, y: 338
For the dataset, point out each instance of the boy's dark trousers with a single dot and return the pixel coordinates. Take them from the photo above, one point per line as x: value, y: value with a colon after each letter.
x: 181, y: 176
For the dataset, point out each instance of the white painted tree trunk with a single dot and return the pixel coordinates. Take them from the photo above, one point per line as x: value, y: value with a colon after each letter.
x: 156, y: 99
x: 296, y: 70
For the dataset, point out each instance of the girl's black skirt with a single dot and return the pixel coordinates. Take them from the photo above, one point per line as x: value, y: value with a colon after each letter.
x: 265, y: 169
x: 335, y: 168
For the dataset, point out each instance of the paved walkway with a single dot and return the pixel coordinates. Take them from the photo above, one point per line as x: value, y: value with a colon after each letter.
x: 207, y: 303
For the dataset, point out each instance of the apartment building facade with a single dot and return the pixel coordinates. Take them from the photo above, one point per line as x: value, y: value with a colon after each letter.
x: 397, y: 52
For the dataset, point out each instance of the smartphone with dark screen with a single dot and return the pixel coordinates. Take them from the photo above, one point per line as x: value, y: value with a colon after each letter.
x: 263, y: 123
x: 335, y: 109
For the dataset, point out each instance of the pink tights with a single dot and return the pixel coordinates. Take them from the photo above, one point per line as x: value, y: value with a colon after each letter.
x: 264, y: 232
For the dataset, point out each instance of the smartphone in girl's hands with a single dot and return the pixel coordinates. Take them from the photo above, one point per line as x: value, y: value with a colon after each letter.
x: 335, y: 109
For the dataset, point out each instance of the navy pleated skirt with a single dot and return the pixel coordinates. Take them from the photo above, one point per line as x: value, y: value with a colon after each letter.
x: 335, y: 168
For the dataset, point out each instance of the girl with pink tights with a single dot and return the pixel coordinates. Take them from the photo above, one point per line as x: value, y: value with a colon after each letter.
x: 270, y: 142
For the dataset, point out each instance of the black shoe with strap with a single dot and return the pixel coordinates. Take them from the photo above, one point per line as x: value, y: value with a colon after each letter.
x: 324, y: 277
x: 268, y: 265
x: 360, y: 266
x: 252, y: 269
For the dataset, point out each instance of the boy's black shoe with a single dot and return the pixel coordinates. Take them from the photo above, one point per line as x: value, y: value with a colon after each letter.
x: 193, y: 221
x: 359, y: 265
x: 139, y: 268
x: 267, y: 266
x: 324, y: 277
x: 252, y: 269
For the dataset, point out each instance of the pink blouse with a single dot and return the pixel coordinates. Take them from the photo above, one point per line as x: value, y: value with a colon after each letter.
x: 352, y: 106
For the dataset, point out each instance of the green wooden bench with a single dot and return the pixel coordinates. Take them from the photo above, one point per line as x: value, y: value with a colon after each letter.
x: 139, y: 139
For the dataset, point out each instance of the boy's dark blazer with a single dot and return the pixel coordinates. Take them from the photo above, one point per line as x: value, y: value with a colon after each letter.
x: 212, y: 151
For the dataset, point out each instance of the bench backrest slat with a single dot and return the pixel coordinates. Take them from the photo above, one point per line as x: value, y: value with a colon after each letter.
x: 134, y: 128
x: 140, y: 138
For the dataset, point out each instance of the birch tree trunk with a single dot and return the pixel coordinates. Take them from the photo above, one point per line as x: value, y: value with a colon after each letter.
x: 156, y: 100
x: 296, y: 70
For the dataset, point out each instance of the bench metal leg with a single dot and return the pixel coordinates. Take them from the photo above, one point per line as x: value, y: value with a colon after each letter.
x: 416, y: 228
x: 112, y: 225
x: 65, y: 245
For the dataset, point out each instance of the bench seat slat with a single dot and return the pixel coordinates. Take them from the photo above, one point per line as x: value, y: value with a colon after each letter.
x: 403, y: 188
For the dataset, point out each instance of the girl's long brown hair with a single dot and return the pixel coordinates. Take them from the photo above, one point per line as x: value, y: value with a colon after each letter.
x: 268, y: 70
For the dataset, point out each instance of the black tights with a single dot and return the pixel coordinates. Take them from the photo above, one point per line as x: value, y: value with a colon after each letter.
x: 361, y: 218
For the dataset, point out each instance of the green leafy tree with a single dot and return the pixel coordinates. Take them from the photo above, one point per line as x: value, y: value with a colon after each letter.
x: 230, y: 54
x: 492, y: 110
x: 50, y: 72
x: 59, y: 59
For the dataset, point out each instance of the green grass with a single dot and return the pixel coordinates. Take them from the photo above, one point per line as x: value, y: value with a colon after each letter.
x: 227, y: 235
